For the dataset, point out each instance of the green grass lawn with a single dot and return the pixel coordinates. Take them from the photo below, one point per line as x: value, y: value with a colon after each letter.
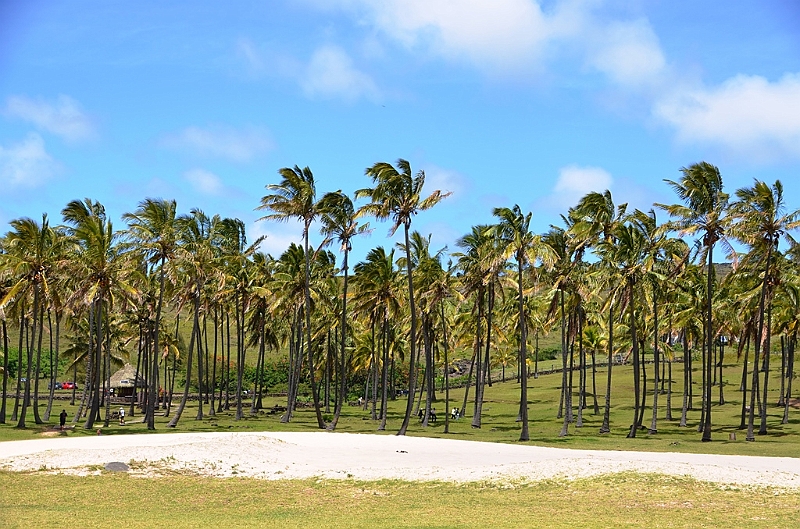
x: 624, y: 500
x: 627, y: 500
x: 499, y: 414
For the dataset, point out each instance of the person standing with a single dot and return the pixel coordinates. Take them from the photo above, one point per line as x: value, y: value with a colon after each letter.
x: 62, y: 418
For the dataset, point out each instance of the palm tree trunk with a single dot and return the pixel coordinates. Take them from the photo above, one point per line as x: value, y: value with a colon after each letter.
x: 469, y: 380
x: 5, y: 372
x: 476, y: 416
x: 605, y: 428
x: 343, y: 350
x: 446, y: 346
x: 53, y: 370
x: 686, y: 373
x: 709, y: 344
x: 310, y: 349
x: 384, y: 370
x: 790, y: 372
x: 193, y: 340
x: 412, y: 369
x: 37, y: 369
x: 523, y: 356
x: 636, y: 361
x: 564, y: 407
x: 153, y: 398
x: 656, y: 361
x: 767, y: 350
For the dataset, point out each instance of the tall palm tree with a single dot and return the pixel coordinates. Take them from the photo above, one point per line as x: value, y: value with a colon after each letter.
x: 296, y: 197
x: 32, y: 251
x: 397, y: 194
x: 378, y: 296
x: 513, y: 230
x: 100, y: 272
x: 597, y: 219
x: 703, y: 210
x: 152, y: 230
x: 760, y: 222
x: 339, y: 221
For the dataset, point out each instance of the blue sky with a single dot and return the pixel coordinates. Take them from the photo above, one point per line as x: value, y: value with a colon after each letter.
x: 500, y: 102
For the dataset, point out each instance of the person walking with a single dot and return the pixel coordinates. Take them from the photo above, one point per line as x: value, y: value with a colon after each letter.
x: 62, y: 418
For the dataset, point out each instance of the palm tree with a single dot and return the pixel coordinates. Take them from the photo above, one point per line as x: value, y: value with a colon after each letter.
x: 339, y: 220
x: 760, y: 221
x: 513, y: 230
x: 101, y: 273
x: 378, y: 296
x: 295, y: 197
x: 398, y: 195
x: 152, y: 228
x: 703, y: 210
x: 32, y: 252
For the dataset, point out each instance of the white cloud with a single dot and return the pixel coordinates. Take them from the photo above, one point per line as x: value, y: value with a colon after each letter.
x: 574, y: 183
x: 629, y: 53
x: 26, y: 164
x: 331, y: 74
x: 444, y: 180
x: 503, y: 35
x: 485, y: 32
x: 278, y: 235
x: 63, y: 118
x: 748, y: 115
x: 204, y: 182
x: 224, y: 142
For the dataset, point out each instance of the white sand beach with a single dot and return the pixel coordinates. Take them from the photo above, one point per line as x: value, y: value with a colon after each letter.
x: 295, y: 455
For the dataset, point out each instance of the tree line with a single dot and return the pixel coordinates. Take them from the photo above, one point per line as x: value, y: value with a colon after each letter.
x: 611, y: 282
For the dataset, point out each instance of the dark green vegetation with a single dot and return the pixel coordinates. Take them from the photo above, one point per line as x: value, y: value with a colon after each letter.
x: 235, y: 338
x: 184, y: 501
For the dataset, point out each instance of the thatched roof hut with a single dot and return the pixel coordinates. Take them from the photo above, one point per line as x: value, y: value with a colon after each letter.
x: 126, y: 378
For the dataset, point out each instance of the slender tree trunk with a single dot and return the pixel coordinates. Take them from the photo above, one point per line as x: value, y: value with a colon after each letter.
x: 479, y: 380
x: 790, y: 373
x: 153, y: 398
x: 636, y: 362
x: 412, y: 341
x: 343, y: 348
x: 384, y: 369
x: 565, y: 406
x: 605, y: 428
x: 446, y: 346
x: 656, y: 361
x: 709, y: 344
x: 523, y: 356
x: 193, y: 340
x: 767, y: 350
x: 37, y: 369
x: 5, y: 371
x: 469, y: 379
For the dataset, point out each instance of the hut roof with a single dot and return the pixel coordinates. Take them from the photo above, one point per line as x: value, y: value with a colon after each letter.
x: 126, y: 378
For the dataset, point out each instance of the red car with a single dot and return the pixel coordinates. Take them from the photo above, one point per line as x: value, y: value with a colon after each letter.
x: 69, y: 385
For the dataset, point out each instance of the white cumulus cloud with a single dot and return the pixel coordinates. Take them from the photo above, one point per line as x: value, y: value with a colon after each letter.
x: 26, y: 164
x: 746, y: 114
x: 445, y: 180
x: 574, y: 182
x: 629, y: 53
x: 221, y: 141
x: 64, y: 117
x: 332, y: 74
x: 204, y: 182
x: 278, y: 235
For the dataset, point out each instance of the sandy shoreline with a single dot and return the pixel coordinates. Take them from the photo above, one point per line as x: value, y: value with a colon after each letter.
x: 296, y: 455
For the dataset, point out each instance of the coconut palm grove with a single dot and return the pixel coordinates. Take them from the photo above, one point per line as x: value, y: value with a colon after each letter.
x: 198, y: 312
